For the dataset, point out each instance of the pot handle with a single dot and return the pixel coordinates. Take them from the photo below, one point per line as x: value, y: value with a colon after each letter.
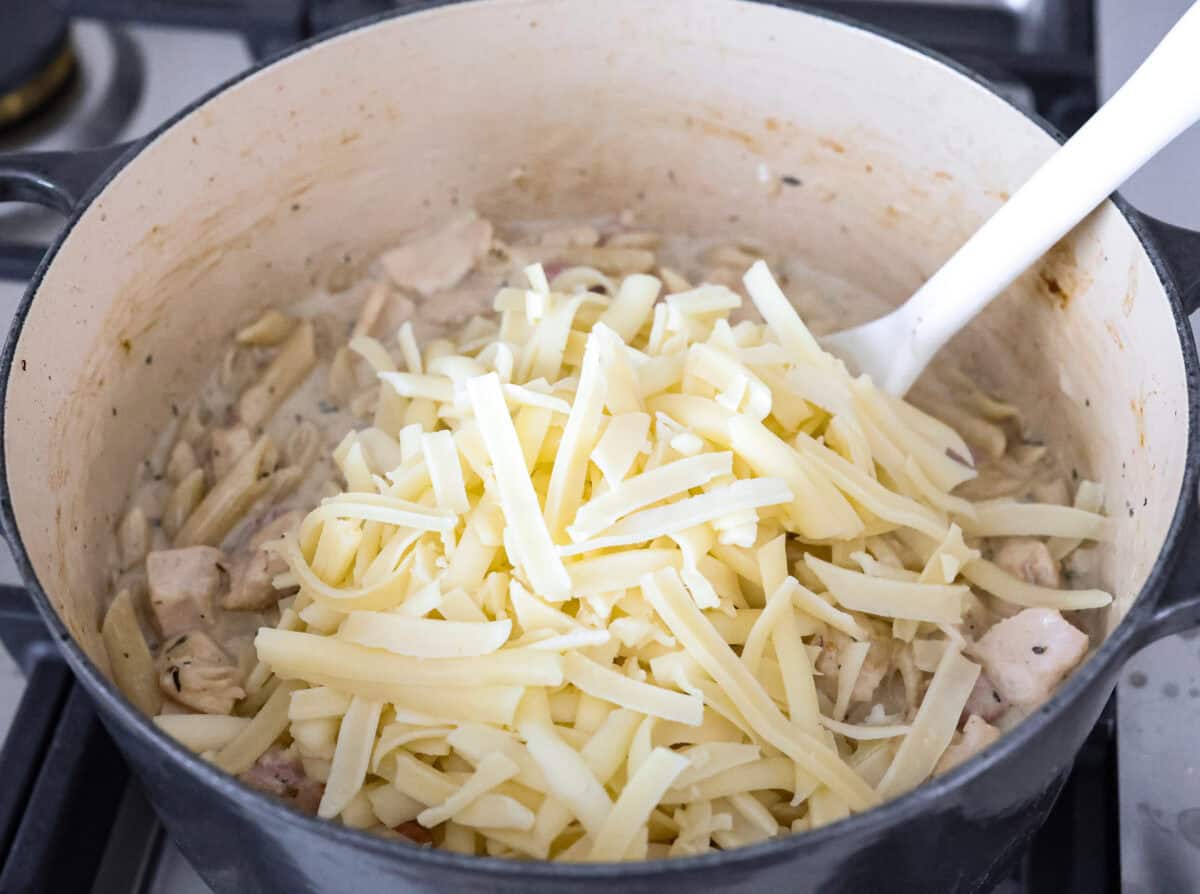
x: 1179, y: 249
x: 1178, y: 608
x: 57, y: 180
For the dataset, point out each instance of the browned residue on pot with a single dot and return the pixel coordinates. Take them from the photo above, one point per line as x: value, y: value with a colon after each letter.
x: 1114, y: 334
x: 1059, y: 277
x: 1139, y: 419
x: 831, y: 144
x: 1130, y: 291
x: 712, y: 128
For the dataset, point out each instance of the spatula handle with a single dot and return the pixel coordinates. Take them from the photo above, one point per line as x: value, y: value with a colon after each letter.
x: 1159, y: 101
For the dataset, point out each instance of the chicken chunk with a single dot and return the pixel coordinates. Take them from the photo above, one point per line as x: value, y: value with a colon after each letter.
x: 440, y: 260
x: 280, y: 774
x: 874, y: 669
x: 182, y: 585
x: 984, y: 700
x: 194, y: 671
x: 977, y: 734
x: 251, y: 586
x: 1027, y: 655
x: 1030, y: 560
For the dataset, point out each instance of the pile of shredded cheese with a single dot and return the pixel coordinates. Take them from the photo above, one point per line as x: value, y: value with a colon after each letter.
x: 569, y: 604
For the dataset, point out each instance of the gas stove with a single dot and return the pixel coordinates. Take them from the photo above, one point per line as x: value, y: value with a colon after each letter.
x: 78, y: 74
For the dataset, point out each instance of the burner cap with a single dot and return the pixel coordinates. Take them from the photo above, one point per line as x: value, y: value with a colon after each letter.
x: 35, y: 58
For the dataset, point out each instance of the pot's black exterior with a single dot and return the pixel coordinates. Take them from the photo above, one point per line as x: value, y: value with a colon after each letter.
x: 957, y: 833
x: 950, y: 837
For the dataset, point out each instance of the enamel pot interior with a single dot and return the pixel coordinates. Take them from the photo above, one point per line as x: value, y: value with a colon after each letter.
x: 688, y: 113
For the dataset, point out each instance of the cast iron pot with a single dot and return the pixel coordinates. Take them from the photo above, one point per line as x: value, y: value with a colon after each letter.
x: 690, y: 113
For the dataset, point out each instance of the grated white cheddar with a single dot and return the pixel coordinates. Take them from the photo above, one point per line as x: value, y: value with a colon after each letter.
x: 579, y: 598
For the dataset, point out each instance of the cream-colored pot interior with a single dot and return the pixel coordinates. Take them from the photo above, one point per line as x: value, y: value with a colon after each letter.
x: 678, y: 109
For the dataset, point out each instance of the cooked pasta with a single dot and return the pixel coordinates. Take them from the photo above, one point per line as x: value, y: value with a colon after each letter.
x: 602, y: 565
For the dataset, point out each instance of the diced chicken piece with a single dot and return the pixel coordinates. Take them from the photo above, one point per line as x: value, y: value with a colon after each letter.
x: 1028, y: 654
x: 280, y: 774
x: 977, y: 734
x: 195, y: 671
x: 440, y: 260
x: 251, y: 586
x: 874, y: 669
x: 1030, y: 560
x: 984, y: 700
x: 182, y: 585
x: 226, y: 448
x: 250, y: 582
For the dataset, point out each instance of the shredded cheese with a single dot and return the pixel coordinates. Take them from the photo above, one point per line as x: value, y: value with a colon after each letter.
x: 580, y: 595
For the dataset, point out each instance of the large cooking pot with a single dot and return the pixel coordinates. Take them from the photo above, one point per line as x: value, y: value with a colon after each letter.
x: 679, y: 110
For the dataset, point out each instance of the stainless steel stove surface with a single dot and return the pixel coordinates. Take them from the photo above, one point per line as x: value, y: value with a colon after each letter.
x: 1055, y: 56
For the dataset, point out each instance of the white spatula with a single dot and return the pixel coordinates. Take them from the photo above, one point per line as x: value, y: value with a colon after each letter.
x: 1159, y: 101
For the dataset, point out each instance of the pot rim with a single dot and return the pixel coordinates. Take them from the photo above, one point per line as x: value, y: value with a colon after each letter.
x: 910, y: 805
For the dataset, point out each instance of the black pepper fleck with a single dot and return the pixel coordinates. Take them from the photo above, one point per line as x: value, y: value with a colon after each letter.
x: 22, y: 366
x: 1039, y: 650
x: 149, y: 359
x: 175, y: 679
x: 789, y: 180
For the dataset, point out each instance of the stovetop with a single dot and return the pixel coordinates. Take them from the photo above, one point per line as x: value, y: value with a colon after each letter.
x: 1129, y: 816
